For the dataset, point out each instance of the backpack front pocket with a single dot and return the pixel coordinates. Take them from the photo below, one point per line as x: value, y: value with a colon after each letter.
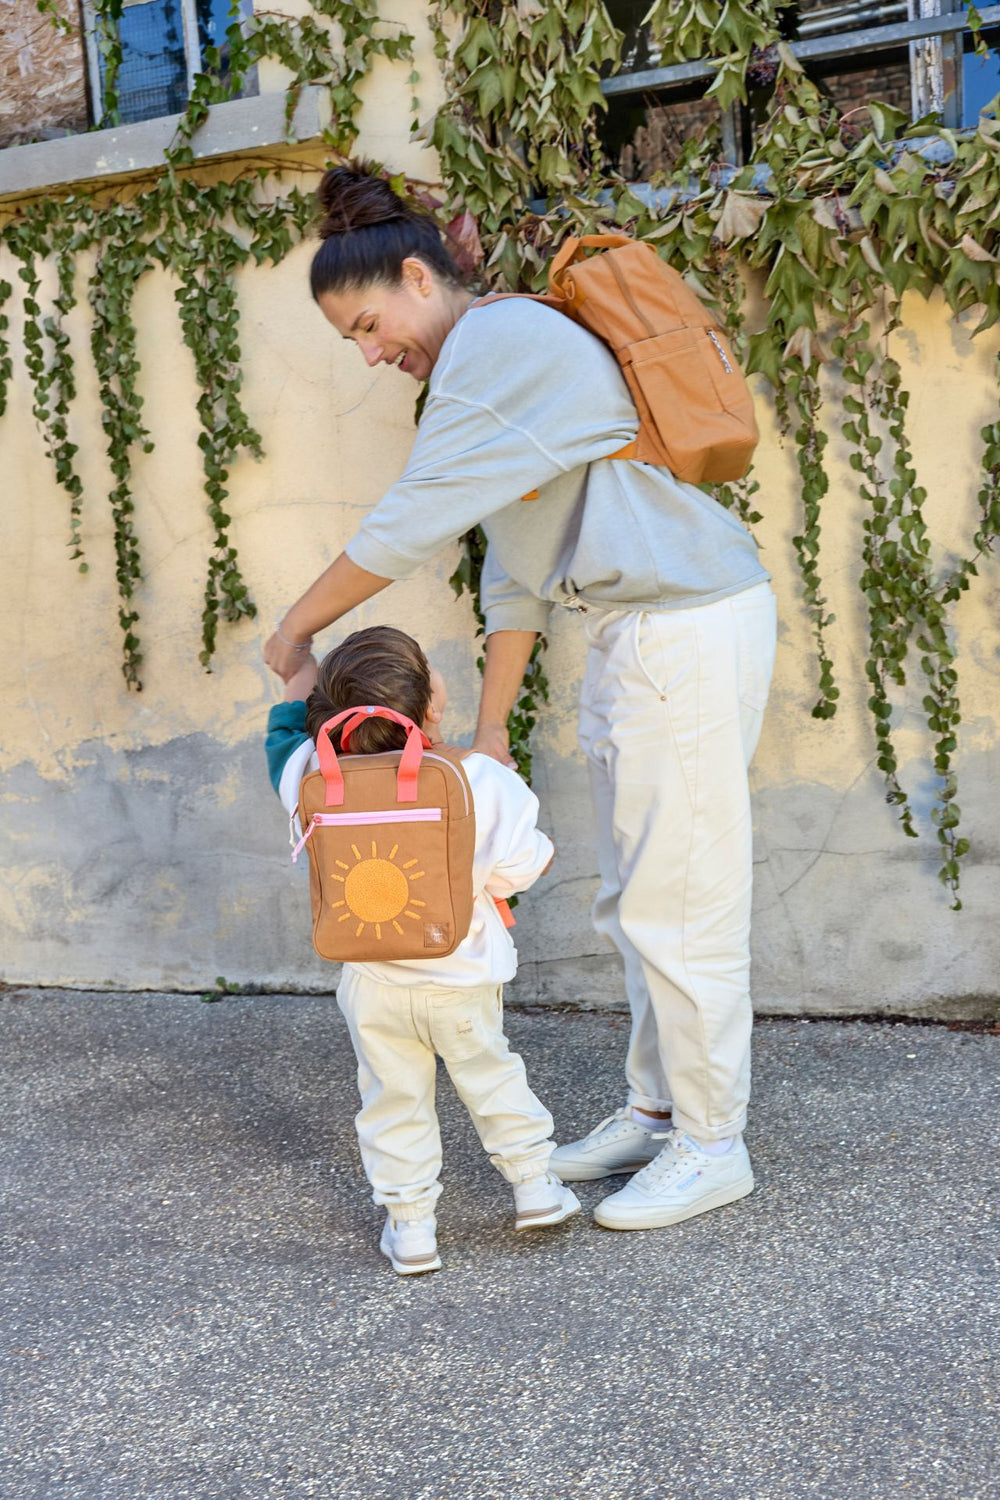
x: 384, y: 886
x: 704, y: 417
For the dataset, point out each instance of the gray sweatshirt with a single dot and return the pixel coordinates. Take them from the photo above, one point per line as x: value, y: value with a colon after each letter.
x: 522, y: 398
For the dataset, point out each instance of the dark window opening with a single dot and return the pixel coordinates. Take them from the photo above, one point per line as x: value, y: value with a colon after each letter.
x: 152, y: 79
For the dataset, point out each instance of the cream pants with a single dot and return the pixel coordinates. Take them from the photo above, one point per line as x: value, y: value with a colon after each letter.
x: 397, y: 1035
x: 670, y: 714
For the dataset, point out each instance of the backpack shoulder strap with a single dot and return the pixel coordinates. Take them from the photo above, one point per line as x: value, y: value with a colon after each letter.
x: 548, y: 299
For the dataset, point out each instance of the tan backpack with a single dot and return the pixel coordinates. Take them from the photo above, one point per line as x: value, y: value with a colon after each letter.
x: 695, y: 409
x: 391, y: 839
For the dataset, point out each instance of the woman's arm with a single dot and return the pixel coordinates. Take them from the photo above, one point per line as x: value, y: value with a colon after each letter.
x: 507, y: 655
x: 335, y: 593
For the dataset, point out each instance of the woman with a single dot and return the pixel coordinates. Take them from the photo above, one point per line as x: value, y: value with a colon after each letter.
x: 680, y: 624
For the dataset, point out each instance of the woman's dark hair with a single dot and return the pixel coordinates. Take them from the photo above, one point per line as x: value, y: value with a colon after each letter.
x: 368, y: 231
x: 380, y: 665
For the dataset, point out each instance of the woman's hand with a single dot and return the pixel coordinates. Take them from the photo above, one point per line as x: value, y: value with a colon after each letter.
x: 285, y: 655
x: 492, y: 740
x: 337, y: 591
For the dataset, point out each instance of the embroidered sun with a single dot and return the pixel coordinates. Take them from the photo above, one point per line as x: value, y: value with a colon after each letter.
x: 377, y: 890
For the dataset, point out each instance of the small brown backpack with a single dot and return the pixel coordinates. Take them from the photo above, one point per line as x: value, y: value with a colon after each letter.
x: 695, y: 409
x: 391, y: 839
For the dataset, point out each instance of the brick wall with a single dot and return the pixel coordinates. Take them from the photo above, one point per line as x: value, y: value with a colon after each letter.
x: 43, y: 91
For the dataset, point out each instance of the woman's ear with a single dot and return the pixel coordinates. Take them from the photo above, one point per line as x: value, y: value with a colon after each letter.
x: 417, y: 276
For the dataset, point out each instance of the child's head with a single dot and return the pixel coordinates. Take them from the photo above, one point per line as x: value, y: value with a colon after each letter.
x: 383, y: 666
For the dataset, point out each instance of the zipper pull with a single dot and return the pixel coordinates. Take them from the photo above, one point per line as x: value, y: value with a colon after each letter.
x: 721, y: 353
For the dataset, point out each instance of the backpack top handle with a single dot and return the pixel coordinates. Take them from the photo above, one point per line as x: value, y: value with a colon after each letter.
x: 409, y: 763
x: 572, y: 249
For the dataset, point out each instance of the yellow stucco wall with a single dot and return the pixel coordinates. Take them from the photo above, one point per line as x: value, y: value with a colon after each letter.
x: 143, y: 844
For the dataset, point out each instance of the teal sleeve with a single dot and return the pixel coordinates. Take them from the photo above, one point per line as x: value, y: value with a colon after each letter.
x: 286, y: 731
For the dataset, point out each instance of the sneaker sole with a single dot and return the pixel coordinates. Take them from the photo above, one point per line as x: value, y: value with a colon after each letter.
x: 588, y: 1172
x: 660, y: 1218
x: 557, y: 1215
x: 411, y: 1267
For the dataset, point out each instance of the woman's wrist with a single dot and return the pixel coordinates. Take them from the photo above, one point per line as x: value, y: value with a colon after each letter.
x: 486, y: 723
x: 289, y: 635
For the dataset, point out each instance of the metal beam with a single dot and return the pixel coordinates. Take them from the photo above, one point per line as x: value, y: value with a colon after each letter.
x: 871, y: 38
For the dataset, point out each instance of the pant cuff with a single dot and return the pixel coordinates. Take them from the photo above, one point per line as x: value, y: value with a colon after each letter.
x: 701, y: 1132
x: 408, y: 1210
x: 524, y: 1168
x: 648, y: 1102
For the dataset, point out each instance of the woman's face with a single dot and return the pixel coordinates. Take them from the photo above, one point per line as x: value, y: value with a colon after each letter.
x: 402, y: 325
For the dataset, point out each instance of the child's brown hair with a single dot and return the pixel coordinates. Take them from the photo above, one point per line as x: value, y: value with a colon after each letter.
x: 382, y: 666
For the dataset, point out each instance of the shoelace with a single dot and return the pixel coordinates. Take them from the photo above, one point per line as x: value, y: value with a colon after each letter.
x: 674, y: 1158
x: 620, y: 1117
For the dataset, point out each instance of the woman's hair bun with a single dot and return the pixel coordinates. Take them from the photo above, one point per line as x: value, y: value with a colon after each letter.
x: 352, y: 198
x: 368, y: 231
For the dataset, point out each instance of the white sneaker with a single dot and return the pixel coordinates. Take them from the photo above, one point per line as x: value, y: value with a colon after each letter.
x: 681, y: 1182
x: 411, y: 1245
x: 618, y: 1144
x: 543, y: 1200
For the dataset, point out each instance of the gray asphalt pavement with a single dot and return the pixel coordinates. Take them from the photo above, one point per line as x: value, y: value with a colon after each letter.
x: 195, y: 1307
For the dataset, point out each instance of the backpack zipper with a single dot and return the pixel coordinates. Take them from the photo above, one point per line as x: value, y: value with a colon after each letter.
x: 720, y: 351
x: 355, y: 820
x: 616, y: 272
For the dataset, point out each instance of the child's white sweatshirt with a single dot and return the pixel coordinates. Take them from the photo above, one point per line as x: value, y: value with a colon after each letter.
x: 511, y: 852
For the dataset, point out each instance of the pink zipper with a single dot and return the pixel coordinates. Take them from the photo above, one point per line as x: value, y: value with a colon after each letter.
x: 355, y: 820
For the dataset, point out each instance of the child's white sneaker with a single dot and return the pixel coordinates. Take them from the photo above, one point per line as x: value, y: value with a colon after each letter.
x: 617, y: 1144
x: 411, y: 1245
x: 543, y: 1200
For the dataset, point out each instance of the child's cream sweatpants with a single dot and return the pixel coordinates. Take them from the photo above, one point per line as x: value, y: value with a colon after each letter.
x: 397, y: 1035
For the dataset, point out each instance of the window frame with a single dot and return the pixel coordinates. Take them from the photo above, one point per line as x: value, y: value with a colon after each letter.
x: 192, y: 51
x: 193, y: 59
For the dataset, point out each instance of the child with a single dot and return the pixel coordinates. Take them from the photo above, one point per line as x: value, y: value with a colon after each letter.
x: 403, y: 1014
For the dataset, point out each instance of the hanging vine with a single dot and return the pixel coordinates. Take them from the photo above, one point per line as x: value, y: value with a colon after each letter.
x: 839, y: 216
x: 43, y: 232
x: 122, y: 260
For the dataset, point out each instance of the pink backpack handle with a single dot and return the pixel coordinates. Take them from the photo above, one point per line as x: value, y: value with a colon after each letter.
x: 409, y: 764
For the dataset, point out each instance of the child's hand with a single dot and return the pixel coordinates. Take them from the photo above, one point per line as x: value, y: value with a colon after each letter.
x: 302, y: 680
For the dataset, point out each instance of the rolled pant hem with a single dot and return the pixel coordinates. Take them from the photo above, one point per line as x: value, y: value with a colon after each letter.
x: 700, y: 1132
x: 407, y: 1211
x: 647, y: 1103
x: 524, y: 1168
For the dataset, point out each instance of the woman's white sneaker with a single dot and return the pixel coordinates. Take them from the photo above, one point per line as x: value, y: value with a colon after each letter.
x: 617, y: 1144
x: 411, y: 1245
x: 543, y: 1200
x: 681, y: 1182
